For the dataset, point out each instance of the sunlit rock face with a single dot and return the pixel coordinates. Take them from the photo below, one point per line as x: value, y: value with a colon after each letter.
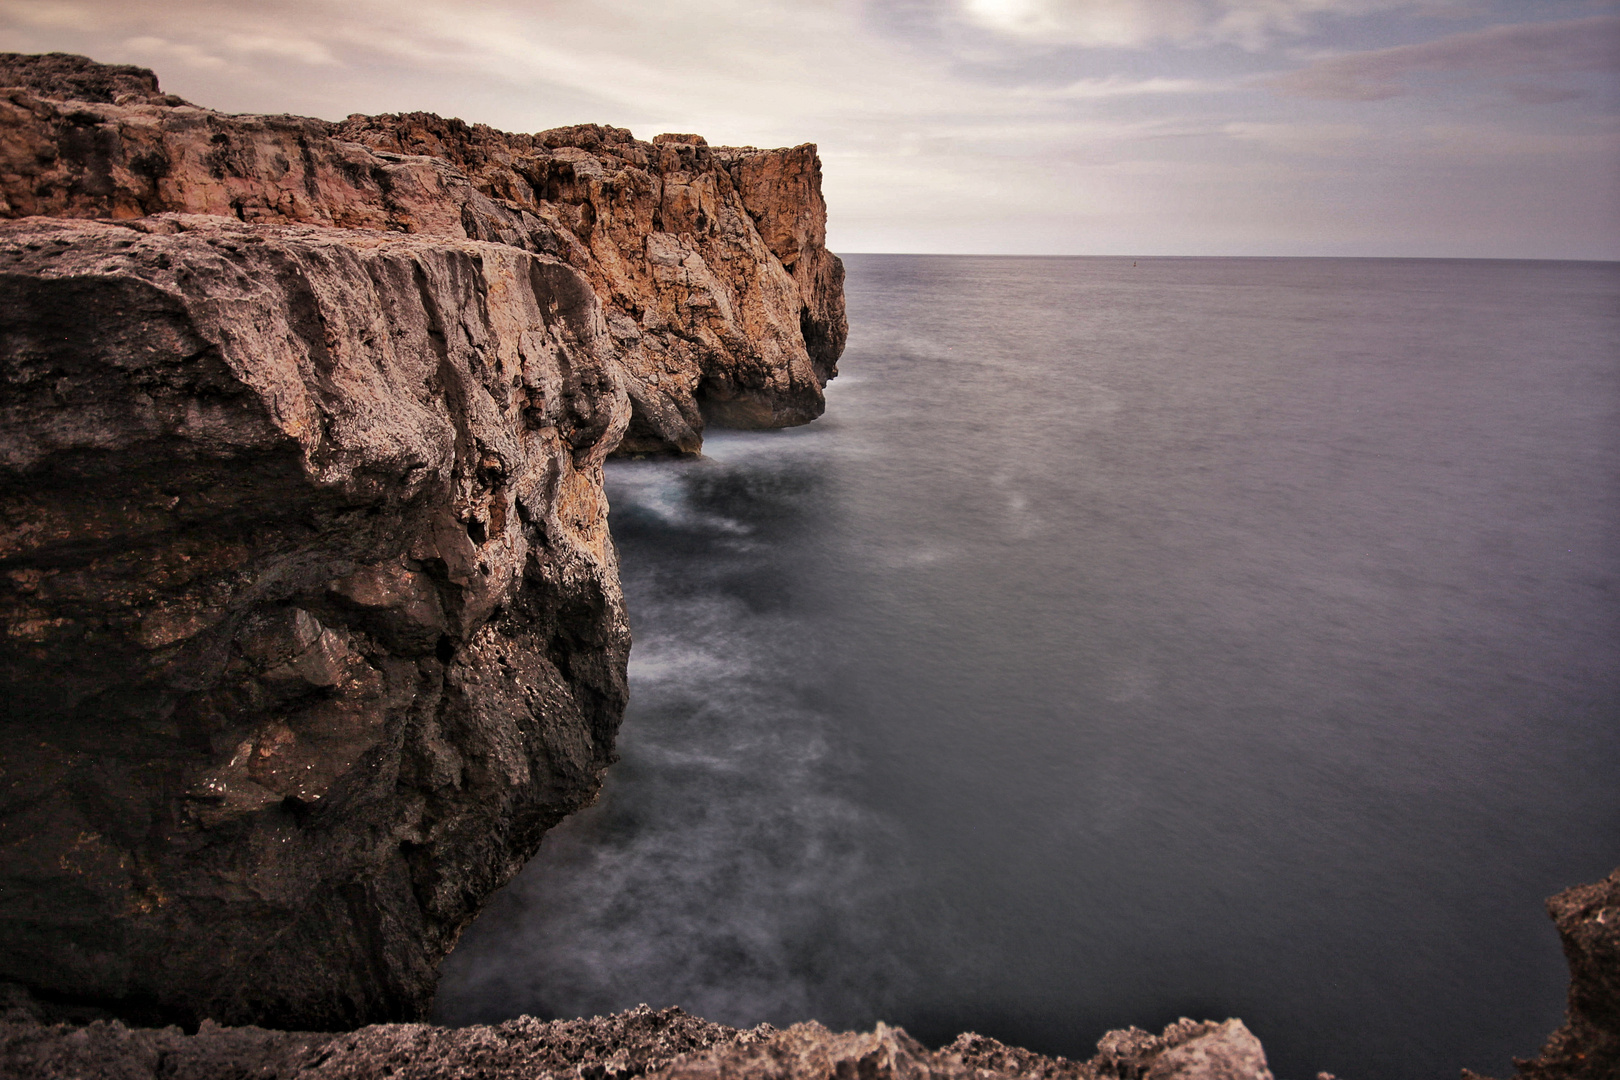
x: 311, y: 620
x: 710, y: 263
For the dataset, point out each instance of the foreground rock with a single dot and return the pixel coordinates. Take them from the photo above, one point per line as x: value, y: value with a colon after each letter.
x: 311, y: 620
x: 711, y: 264
x: 1587, y: 1047
x: 667, y: 1044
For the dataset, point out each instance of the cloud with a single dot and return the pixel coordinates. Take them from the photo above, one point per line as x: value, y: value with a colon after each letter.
x: 290, y: 48
x: 1304, y: 140
x: 1116, y: 87
x: 941, y: 125
x: 1138, y: 23
x: 47, y: 14
x: 1543, y: 95
x: 185, y: 54
x: 1546, y: 49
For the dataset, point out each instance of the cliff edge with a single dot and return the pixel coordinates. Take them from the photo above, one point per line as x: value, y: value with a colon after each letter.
x: 310, y: 623
x: 710, y: 263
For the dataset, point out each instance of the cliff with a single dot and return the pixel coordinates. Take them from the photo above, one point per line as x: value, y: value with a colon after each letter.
x: 710, y: 263
x: 310, y: 624
x: 311, y: 620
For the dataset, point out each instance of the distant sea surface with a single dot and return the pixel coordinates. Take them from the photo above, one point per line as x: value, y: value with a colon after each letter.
x: 1204, y: 637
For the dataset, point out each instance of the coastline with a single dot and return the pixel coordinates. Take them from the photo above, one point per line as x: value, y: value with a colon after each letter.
x: 514, y: 485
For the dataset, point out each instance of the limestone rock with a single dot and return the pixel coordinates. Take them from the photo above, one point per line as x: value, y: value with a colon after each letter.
x: 1187, y: 1050
x: 667, y: 1044
x: 1227, y: 1051
x: 710, y: 262
x: 310, y: 623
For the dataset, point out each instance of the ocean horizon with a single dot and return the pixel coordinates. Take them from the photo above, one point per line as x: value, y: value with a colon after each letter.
x: 1218, y: 636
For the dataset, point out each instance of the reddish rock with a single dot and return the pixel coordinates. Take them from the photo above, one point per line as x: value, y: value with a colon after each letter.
x: 310, y: 623
x: 710, y: 263
x: 667, y: 1044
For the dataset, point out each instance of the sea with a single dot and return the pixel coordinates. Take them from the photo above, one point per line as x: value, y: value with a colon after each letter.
x: 1132, y: 639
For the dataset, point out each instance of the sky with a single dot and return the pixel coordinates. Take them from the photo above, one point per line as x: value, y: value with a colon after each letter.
x: 1433, y: 128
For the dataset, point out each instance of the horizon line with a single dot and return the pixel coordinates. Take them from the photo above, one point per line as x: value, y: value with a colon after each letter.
x: 1384, y: 258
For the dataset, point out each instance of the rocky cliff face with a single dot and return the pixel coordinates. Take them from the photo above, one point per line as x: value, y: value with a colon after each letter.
x: 1587, y: 1047
x: 724, y: 304
x: 311, y: 619
x: 310, y: 624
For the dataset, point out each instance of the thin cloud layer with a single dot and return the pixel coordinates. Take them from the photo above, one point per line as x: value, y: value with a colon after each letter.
x: 1052, y: 126
x: 1553, y: 49
x: 1139, y: 23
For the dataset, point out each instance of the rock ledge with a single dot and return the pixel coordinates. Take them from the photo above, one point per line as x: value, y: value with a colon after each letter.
x: 665, y: 1044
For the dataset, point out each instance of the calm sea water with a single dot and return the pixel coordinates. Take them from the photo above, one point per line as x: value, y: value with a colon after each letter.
x: 1207, y: 637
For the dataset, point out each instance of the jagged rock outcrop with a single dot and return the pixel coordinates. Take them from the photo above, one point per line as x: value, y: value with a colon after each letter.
x: 310, y: 623
x: 66, y: 77
x: 710, y: 263
x: 1587, y: 1047
x: 667, y: 1044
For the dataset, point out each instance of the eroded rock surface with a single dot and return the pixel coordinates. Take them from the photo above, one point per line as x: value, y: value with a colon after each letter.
x: 665, y: 1044
x: 66, y: 77
x: 1587, y: 1047
x: 310, y: 623
x: 710, y: 263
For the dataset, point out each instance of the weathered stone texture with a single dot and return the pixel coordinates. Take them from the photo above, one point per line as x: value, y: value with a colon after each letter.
x: 1587, y: 1047
x: 667, y: 1044
x: 710, y: 263
x: 64, y: 76
x: 310, y: 622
